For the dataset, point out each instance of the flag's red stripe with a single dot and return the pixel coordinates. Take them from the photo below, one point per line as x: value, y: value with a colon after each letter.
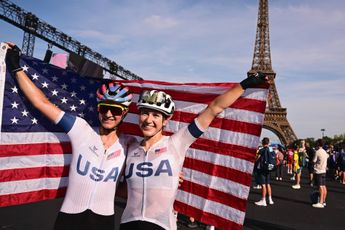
x: 214, y: 195
x: 28, y: 197
x: 204, y: 98
x: 205, y: 217
x: 218, y: 171
x: 221, y: 123
x: 216, y: 84
x: 237, y: 151
x: 33, y: 173
x: 35, y: 149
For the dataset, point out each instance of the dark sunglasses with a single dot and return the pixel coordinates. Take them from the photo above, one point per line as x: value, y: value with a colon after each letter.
x: 115, y: 110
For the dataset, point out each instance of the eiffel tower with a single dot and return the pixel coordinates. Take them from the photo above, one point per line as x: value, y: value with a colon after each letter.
x: 275, y: 116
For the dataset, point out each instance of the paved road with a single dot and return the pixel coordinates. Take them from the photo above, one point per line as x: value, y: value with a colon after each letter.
x: 292, y: 210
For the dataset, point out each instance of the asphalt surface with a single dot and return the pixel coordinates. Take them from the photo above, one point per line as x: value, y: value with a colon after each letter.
x: 291, y: 210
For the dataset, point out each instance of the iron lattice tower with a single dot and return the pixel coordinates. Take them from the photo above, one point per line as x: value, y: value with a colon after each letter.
x: 275, y: 116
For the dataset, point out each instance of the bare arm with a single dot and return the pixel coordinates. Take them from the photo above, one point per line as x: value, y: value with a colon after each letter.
x: 218, y: 105
x: 31, y: 92
x: 228, y: 98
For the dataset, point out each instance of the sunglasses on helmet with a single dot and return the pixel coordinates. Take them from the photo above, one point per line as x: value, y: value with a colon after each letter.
x: 156, y: 98
x: 116, y: 110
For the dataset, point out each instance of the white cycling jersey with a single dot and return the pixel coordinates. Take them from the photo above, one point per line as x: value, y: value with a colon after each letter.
x: 94, y: 171
x: 152, y: 177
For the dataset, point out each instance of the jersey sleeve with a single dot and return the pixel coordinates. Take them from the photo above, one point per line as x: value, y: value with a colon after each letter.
x: 74, y: 126
x: 65, y: 121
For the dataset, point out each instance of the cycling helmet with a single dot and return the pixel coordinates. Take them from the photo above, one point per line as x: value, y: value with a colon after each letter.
x: 156, y: 100
x: 114, y: 92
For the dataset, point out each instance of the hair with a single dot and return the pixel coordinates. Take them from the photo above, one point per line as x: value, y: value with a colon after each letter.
x: 265, y: 141
x: 319, y: 142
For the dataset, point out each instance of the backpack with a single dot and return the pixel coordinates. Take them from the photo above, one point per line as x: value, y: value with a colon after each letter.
x: 269, y: 160
x: 302, y: 159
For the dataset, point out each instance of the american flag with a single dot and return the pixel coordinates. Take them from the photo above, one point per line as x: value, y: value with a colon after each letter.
x: 218, y: 166
x: 35, y: 154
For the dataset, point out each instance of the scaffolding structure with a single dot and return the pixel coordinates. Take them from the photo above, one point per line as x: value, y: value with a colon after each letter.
x: 34, y: 27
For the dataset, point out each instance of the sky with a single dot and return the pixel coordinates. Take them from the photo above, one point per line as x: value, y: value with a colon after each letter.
x: 213, y: 41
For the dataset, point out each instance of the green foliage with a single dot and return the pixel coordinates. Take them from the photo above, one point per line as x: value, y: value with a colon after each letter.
x: 336, y: 140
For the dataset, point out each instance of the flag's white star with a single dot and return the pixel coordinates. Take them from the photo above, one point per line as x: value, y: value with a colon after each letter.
x: 34, y: 121
x: 73, y: 80
x: 25, y: 113
x: 91, y: 95
x: 82, y: 115
x: 14, y: 105
x: 25, y: 68
x: 64, y: 100
x: 73, y: 108
x: 91, y: 109
x: 14, y: 120
x: 82, y: 88
x: 64, y: 86
x: 73, y: 94
x: 55, y: 92
x: 45, y: 71
x: 14, y: 89
x: 45, y: 85
x: 35, y: 76
x: 54, y: 79
x: 91, y: 82
x: 82, y: 102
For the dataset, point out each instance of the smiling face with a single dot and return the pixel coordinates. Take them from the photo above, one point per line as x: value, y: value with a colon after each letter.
x: 110, y: 115
x: 151, y: 122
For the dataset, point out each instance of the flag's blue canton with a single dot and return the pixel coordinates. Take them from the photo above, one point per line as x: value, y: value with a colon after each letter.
x: 67, y: 90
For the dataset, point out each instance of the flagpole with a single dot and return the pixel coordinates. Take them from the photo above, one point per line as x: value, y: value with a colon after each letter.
x: 3, y: 50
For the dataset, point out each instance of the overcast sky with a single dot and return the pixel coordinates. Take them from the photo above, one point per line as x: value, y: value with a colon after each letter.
x: 213, y: 41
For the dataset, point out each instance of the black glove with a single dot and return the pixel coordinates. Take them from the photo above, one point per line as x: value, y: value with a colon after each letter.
x: 253, y: 80
x: 12, y: 59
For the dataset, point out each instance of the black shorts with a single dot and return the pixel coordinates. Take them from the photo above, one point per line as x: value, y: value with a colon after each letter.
x: 86, y: 220
x: 140, y: 225
x: 264, y: 178
x: 342, y: 167
x: 311, y: 168
x: 320, y: 179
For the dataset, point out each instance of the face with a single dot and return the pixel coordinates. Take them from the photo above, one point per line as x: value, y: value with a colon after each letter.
x: 110, y: 115
x: 151, y: 122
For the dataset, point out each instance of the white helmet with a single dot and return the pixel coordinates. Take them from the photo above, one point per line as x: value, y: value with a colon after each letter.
x: 156, y: 100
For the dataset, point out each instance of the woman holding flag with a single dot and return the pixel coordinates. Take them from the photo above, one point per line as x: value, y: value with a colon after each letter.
x: 152, y: 165
x: 97, y: 156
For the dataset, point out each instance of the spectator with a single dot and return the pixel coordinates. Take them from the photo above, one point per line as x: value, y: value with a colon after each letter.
x: 289, y: 160
x: 280, y: 160
x: 310, y: 154
x: 341, y: 163
x: 256, y: 171
x: 320, y: 161
x: 192, y: 223
x: 264, y: 175
x: 299, y: 159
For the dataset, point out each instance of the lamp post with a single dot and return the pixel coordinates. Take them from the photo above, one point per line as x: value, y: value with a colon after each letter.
x: 323, y: 132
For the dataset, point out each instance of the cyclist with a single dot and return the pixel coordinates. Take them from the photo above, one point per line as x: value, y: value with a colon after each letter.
x: 153, y: 164
x: 97, y: 156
